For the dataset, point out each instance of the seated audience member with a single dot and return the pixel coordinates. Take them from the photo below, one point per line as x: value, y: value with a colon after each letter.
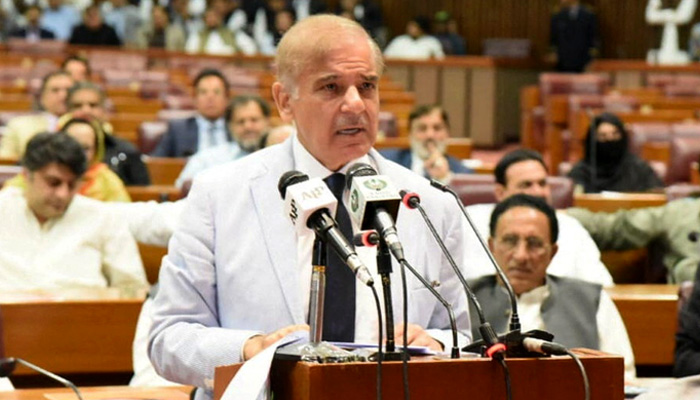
x: 86, y: 99
x: 366, y: 13
x: 50, y: 237
x: 524, y: 171
x: 232, y: 15
x: 668, y: 225
x: 445, y: 28
x: 216, y: 38
x: 207, y: 128
x: 93, y: 31
x: 60, y: 18
x: 248, y: 119
x: 687, y: 357
x: 52, y: 103
x: 430, y: 129
x: 182, y: 16
x: 98, y: 182
x: 159, y: 33
x: 608, y: 165
x: 32, y: 31
x: 123, y: 17
x: 283, y: 20
x: 306, y: 8
x: 77, y: 67
x: 416, y: 44
x: 523, y: 239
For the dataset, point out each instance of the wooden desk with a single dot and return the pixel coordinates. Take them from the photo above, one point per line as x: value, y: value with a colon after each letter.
x: 80, y: 331
x: 533, y: 378
x: 102, y: 392
x: 618, y: 201
x: 650, y: 315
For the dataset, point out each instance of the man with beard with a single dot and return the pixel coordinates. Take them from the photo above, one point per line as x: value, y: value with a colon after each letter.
x: 248, y: 119
x: 524, y: 171
x: 430, y: 129
x: 523, y: 239
x: 608, y: 165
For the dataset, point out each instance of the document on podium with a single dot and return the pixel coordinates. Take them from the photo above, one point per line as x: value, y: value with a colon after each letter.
x: 250, y: 382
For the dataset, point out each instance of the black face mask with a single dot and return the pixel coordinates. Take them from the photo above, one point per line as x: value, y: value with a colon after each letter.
x: 610, y: 153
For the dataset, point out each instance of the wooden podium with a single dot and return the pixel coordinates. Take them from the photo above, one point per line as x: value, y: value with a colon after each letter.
x: 540, y: 378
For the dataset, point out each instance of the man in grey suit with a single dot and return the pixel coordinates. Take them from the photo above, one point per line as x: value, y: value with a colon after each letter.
x: 205, y: 130
x: 236, y: 278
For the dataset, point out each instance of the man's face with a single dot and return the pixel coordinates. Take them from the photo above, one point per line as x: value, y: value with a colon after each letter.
x: 32, y: 15
x: 429, y: 133
x: 93, y: 18
x: 86, y: 103
x: 212, y: 19
x: 248, y: 124
x: 77, y: 70
x: 160, y: 18
x: 336, y: 104
x: 50, y: 190
x: 211, y: 97
x: 53, y: 98
x: 527, y: 177
x: 55, y: 3
x: 522, y: 247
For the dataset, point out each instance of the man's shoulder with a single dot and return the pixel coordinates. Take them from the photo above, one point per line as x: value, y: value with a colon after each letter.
x: 183, y: 123
x: 394, y: 154
x: 572, y: 284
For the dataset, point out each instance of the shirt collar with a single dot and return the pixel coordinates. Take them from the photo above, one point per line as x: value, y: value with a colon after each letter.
x: 537, y: 295
x: 308, y: 164
x: 203, y: 123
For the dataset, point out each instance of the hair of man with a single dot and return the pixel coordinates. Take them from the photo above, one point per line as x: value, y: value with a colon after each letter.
x: 309, y: 41
x: 46, y: 148
x: 524, y: 200
x: 515, y: 157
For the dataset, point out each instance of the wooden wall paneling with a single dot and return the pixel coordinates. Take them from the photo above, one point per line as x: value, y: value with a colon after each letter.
x: 483, y: 106
x: 455, y: 99
x: 426, y: 83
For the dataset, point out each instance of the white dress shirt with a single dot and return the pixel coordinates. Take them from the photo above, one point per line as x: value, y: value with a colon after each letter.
x: 405, y: 46
x: 578, y: 256
x: 210, y: 134
x: 612, y: 334
x: 215, y: 44
x: 205, y: 159
x: 84, y: 248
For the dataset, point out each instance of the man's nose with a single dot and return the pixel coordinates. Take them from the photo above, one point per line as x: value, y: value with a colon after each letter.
x: 353, y: 101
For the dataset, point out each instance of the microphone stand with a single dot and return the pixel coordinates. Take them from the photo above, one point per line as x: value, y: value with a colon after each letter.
x: 384, y: 268
x: 318, y: 291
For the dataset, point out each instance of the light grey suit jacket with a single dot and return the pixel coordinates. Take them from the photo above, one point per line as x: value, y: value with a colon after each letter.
x: 231, y: 267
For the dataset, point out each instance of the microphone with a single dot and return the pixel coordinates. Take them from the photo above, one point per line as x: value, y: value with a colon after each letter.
x: 495, y: 348
x: 374, y: 204
x: 309, y: 203
x: 366, y: 239
x: 8, y: 365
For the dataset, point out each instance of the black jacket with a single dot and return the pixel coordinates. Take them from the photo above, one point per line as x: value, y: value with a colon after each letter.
x: 125, y: 160
x: 687, y: 358
x: 574, y: 38
x: 105, y: 36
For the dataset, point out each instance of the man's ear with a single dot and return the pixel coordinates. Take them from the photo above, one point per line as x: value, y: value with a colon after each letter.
x: 499, y: 192
x: 283, y: 102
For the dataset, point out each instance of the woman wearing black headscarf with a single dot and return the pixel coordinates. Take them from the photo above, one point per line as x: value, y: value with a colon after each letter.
x: 608, y: 164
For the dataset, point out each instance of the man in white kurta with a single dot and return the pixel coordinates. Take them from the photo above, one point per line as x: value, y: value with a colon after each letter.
x: 523, y: 171
x: 51, y: 238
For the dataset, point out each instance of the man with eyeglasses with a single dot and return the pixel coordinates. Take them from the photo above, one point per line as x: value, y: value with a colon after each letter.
x: 523, y: 239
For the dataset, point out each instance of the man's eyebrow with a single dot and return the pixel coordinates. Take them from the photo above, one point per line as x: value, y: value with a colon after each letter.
x: 327, y: 78
x: 371, y: 78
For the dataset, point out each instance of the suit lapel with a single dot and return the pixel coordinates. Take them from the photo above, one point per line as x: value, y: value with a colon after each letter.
x: 278, y: 232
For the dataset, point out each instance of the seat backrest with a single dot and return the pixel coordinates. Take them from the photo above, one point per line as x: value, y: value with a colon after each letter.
x: 684, y: 150
x: 479, y: 189
x: 507, y: 47
x: 643, y: 132
x: 164, y: 170
x: 149, y: 135
x: 557, y: 83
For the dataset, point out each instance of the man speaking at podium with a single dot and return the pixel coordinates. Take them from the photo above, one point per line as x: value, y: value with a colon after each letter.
x: 237, y: 276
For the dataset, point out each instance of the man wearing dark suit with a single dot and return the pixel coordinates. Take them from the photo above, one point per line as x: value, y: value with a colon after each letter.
x: 93, y: 31
x: 206, y: 129
x: 574, y: 36
x: 430, y: 128
x: 32, y: 31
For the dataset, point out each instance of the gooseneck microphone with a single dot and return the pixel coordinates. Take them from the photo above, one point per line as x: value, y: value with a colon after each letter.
x: 309, y: 203
x: 495, y: 347
x: 374, y: 204
x: 514, y: 319
x: 8, y: 365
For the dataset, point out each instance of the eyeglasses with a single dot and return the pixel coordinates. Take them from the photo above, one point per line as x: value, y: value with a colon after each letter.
x: 533, y: 245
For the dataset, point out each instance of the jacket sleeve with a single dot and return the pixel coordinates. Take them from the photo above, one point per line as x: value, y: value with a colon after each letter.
x: 624, y: 229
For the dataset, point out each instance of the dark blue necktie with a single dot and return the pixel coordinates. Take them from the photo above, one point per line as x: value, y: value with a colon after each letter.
x: 339, y: 307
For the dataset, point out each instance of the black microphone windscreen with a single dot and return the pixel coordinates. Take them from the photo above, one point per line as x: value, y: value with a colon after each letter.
x: 358, y: 169
x: 290, y: 178
x: 7, y: 366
